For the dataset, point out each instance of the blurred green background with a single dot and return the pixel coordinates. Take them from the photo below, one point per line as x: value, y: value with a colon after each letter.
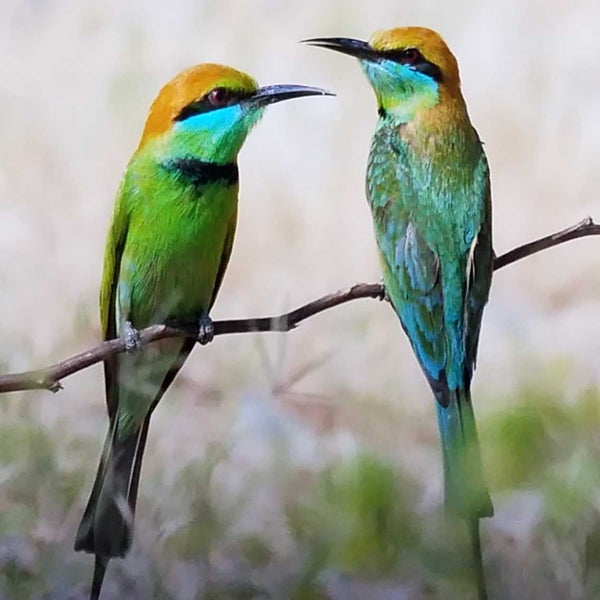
x: 304, y: 465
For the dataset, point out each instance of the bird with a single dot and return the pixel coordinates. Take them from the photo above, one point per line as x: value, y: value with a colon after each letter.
x: 167, y: 250
x: 428, y: 187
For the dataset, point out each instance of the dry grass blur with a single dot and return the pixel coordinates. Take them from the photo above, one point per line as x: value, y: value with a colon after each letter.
x: 274, y: 459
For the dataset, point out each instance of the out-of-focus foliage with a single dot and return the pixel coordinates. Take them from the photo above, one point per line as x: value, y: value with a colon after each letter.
x: 309, y: 517
x: 358, y: 519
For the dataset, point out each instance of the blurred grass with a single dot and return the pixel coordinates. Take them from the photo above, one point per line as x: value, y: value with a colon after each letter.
x: 350, y: 522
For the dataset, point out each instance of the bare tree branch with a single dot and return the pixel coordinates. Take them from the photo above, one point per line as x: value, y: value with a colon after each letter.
x: 582, y: 229
x: 49, y: 377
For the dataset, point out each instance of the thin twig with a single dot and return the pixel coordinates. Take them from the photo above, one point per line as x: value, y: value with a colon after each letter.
x: 582, y: 229
x: 49, y: 377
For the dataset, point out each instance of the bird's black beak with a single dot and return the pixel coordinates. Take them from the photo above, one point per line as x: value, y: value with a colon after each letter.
x: 277, y: 93
x: 349, y: 46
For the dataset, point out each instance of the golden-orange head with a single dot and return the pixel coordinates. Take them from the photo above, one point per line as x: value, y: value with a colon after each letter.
x: 410, y: 68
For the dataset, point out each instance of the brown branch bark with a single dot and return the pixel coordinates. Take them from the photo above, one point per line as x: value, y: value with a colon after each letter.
x: 49, y: 377
x: 584, y: 228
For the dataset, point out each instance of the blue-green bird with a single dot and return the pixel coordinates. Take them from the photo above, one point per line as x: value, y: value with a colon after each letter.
x: 166, y: 254
x: 429, y: 191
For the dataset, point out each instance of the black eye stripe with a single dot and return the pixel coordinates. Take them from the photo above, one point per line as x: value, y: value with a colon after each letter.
x: 203, y: 105
x: 430, y: 69
x: 418, y: 63
x: 194, y: 108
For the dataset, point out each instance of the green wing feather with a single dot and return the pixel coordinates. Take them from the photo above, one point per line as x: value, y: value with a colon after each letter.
x: 225, y: 256
x: 115, y: 244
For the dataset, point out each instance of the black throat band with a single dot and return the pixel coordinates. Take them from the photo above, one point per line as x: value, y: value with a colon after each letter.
x: 199, y: 173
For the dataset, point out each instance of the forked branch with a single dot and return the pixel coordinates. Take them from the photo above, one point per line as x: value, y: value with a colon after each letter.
x: 49, y: 378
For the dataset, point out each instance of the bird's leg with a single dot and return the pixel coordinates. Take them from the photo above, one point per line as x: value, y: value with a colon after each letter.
x: 206, y: 329
x: 131, y: 336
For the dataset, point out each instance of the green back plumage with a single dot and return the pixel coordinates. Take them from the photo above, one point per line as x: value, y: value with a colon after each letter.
x: 429, y: 194
x: 428, y: 186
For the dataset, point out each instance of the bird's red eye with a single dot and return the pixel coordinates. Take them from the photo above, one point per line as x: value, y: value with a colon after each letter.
x: 218, y: 97
x: 410, y: 56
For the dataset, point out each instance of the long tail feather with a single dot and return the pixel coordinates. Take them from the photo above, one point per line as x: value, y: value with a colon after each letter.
x: 473, y: 525
x: 465, y: 489
x: 100, y: 565
x: 106, y: 528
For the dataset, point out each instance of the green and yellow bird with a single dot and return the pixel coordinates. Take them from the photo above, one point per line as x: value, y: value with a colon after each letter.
x: 166, y: 254
x: 429, y: 191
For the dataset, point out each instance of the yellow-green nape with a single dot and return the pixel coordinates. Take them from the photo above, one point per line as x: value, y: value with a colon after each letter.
x: 188, y: 86
x: 429, y: 43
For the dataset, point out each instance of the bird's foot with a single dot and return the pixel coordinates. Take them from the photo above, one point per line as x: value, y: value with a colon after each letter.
x: 206, y: 329
x: 131, y: 336
x: 383, y: 296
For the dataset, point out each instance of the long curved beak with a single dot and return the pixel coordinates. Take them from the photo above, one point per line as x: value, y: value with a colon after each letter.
x: 277, y: 93
x: 349, y: 46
